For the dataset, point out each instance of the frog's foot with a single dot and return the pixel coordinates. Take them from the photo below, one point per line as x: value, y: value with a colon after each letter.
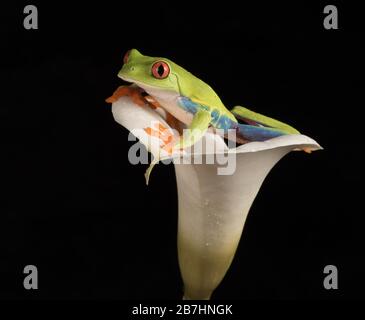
x: 134, y: 92
x: 308, y: 150
x: 168, y: 142
x: 169, y: 148
x: 164, y: 134
x: 152, y: 102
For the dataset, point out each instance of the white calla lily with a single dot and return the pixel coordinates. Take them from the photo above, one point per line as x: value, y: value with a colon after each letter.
x: 212, y: 207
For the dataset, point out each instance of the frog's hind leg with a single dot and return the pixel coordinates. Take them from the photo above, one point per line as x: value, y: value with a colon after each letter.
x: 259, y: 127
x: 248, y: 132
x: 260, y: 121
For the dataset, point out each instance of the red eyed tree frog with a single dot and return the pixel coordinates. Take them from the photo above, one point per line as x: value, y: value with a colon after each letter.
x: 188, y: 99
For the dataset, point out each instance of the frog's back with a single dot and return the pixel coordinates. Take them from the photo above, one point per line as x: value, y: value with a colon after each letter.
x: 197, y: 90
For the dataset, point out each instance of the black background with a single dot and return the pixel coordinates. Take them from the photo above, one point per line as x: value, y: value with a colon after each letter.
x: 71, y: 203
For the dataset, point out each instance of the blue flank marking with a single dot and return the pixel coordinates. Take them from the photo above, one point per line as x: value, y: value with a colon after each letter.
x: 188, y: 105
x: 219, y: 122
x: 248, y: 132
x: 254, y: 133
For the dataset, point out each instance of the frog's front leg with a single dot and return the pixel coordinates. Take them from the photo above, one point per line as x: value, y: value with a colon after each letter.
x: 132, y: 91
x: 195, y: 130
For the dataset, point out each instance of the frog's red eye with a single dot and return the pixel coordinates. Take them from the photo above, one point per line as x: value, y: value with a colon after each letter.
x: 160, y: 70
x: 126, y: 56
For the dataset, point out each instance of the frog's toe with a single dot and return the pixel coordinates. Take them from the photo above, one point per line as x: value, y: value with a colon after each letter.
x: 119, y: 92
x: 133, y: 92
x: 137, y: 98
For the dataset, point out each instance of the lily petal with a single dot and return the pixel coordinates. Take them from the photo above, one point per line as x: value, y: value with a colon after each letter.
x: 212, y: 208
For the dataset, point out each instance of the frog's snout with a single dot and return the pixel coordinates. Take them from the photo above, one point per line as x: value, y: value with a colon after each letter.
x: 126, y: 71
x: 129, y: 68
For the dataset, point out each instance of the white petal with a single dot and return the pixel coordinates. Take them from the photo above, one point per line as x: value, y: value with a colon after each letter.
x: 212, y: 208
x: 136, y: 119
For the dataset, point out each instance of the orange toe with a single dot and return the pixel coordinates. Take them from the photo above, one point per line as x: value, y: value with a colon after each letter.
x: 133, y: 92
x: 120, y: 92
x: 110, y: 99
x: 137, y: 98
x: 307, y: 150
x: 152, y: 102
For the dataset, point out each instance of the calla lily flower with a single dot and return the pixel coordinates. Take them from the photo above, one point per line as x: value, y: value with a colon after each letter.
x: 213, y: 206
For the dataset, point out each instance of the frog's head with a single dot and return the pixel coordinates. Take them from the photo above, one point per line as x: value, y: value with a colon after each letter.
x: 149, y: 73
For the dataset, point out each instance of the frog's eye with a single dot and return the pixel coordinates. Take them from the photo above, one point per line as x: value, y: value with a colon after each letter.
x: 126, y: 56
x: 160, y: 70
